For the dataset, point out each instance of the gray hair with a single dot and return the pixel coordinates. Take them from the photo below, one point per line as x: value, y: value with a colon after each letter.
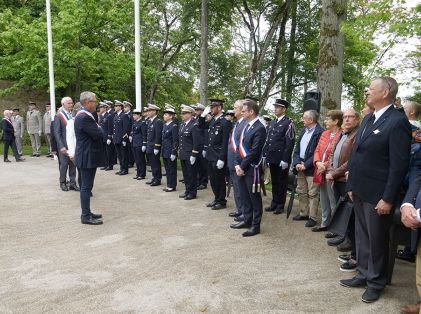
x: 85, y: 97
x: 390, y: 84
x: 357, y: 113
x: 312, y: 114
x: 65, y: 99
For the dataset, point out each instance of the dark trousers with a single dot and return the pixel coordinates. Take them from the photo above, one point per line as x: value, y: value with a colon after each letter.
x: 88, y: 177
x: 110, y: 149
x: 66, y: 165
x: 190, y: 177
x: 236, y: 187
x: 251, y: 202
x: 202, y: 170
x: 155, y: 162
x: 122, y: 156
x: 217, y: 181
x: 372, y: 239
x: 171, y: 171
x: 12, y: 144
x: 130, y: 155
x: 140, y: 160
x: 279, y: 186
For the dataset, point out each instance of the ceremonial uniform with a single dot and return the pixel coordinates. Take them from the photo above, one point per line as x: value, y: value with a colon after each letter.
x: 110, y: 148
x: 121, y: 133
x: 153, y: 148
x: 139, y: 140
x: 19, y: 128
x: 169, y: 152
x: 34, y: 127
x: 46, y: 129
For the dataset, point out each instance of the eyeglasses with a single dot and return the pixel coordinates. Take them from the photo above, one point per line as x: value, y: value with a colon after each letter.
x: 348, y: 117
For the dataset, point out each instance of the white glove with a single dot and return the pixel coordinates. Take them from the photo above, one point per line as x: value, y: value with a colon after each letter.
x: 124, y: 143
x: 205, y: 112
x: 108, y: 142
x: 204, y: 153
x: 156, y: 151
x: 172, y: 157
x: 130, y: 138
x: 220, y: 164
x: 143, y: 148
x: 283, y: 165
x: 39, y: 133
x: 192, y: 160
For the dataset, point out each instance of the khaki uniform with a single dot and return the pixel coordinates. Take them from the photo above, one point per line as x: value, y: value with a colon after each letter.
x: 34, y: 127
x: 19, y: 126
x: 47, y: 129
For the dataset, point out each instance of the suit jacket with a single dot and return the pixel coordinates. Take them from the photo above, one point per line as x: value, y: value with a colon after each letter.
x: 47, y: 122
x: 154, y: 135
x: 8, y: 130
x: 218, y: 136
x: 60, y: 123
x: 121, y: 127
x: 19, y: 126
x: 380, y: 157
x: 169, y: 140
x: 189, y: 140
x: 139, y: 133
x: 234, y: 140
x: 252, y: 141
x: 89, y: 146
x: 110, y: 123
x: 308, y: 155
x: 104, y: 124
x: 33, y: 122
x: 280, y: 141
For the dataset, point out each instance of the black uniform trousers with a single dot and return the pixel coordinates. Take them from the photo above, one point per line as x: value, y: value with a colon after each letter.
x: 217, y: 181
x: 202, y: 171
x: 140, y: 161
x: 372, y: 240
x: 155, y: 162
x: 130, y: 155
x: 12, y: 144
x: 110, y: 149
x: 122, y: 155
x: 251, y: 202
x: 66, y: 165
x: 88, y: 177
x: 190, y: 176
x: 171, y: 171
x: 279, y: 186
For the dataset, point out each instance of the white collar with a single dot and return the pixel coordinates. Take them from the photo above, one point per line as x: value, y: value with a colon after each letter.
x: 280, y: 118
x: 168, y: 123
x: 253, y: 121
x: 153, y: 118
x: 379, y: 113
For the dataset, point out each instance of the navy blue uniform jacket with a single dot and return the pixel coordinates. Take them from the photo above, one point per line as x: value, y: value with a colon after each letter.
x: 139, y: 133
x: 169, y: 140
x: 218, y: 136
x: 154, y: 135
x: 280, y: 141
x: 189, y: 140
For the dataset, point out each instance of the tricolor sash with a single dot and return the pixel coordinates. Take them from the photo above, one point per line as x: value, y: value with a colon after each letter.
x: 242, y: 149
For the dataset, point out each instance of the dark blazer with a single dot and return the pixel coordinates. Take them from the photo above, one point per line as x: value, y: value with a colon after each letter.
x: 169, y: 140
x: 253, y: 140
x: 139, y: 133
x: 154, y: 135
x: 308, y: 156
x: 280, y: 141
x: 380, y: 157
x: 60, y: 129
x: 121, y: 129
x: 8, y: 130
x: 413, y: 189
x: 110, y: 123
x: 89, y: 146
x: 189, y: 139
x: 218, y: 135
x: 104, y: 124
x: 231, y: 155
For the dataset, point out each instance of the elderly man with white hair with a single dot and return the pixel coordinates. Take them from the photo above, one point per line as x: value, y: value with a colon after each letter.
x: 9, y: 137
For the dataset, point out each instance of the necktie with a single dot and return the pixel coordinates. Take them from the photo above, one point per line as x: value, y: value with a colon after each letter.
x: 247, y: 128
x: 369, y: 124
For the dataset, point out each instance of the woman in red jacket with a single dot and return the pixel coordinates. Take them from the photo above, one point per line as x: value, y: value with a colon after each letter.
x: 328, y: 139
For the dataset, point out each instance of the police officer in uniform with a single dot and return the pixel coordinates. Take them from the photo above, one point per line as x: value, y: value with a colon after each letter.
x: 189, y: 139
x: 121, y: 133
x: 216, y: 153
x: 277, y: 153
x: 111, y: 154
x: 138, y: 140
x: 202, y: 162
x: 153, y: 146
x: 170, y: 147
x: 128, y: 110
x: 102, y: 121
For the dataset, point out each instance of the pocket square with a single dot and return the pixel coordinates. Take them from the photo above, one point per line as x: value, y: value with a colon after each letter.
x: 376, y: 131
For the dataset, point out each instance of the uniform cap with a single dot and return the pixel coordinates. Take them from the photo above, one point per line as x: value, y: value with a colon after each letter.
x: 168, y: 106
x: 251, y: 98
x: 200, y: 107
x: 108, y: 102
x: 137, y: 111
x: 126, y: 103
x: 153, y: 107
x: 267, y: 117
x: 216, y: 102
x: 230, y: 112
x: 281, y: 102
x: 16, y: 109
x: 185, y: 108
x: 118, y: 103
x: 169, y: 110
x: 102, y: 104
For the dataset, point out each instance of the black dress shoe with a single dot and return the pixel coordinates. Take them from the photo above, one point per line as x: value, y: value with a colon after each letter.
x: 310, y: 223
x: 330, y: 235
x: 123, y: 173
x: 20, y: 159
x: 371, y: 295
x: 182, y: 195
x: 74, y: 187
x: 299, y: 218
x: 7, y: 160
x: 201, y: 187
x: 64, y: 187
x: 278, y: 211
x: 90, y: 194
x: 318, y: 229
x: 181, y: 180
x: 135, y: 178
x: 189, y: 197
x: 240, y: 225
x: 269, y: 209
x: 218, y: 206
x: 103, y: 168
x: 335, y: 241
x: 109, y: 168
x: 141, y: 178
x: 155, y: 183
x: 211, y: 204
x: 168, y: 190
x: 251, y: 232
x: 34, y: 155
x: 38, y: 155
x: 118, y: 172
x: 353, y: 283
x: 91, y: 221
x: 96, y: 216
x: 149, y: 182
x: 234, y: 214
x: 239, y: 218
x: 406, y: 255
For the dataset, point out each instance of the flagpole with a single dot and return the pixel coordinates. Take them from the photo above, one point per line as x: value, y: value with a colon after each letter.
x: 50, y: 60
x: 137, y: 56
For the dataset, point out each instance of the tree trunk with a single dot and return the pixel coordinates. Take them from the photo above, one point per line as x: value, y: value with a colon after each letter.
x: 78, y: 73
x: 331, y: 54
x: 204, y: 65
x: 291, y: 52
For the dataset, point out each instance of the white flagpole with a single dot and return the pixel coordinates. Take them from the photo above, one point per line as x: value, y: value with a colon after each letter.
x: 137, y: 56
x: 50, y: 60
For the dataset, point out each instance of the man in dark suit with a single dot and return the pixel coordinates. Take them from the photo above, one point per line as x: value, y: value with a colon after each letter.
x: 138, y: 141
x: 277, y: 153
x: 110, y: 148
x: 216, y: 152
x: 410, y: 204
x: 103, y: 123
x: 377, y: 168
x: 9, y: 137
x: 170, y: 148
x: 128, y: 111
x: 202, y: 166
x: 231, y: 157
x: 121, y: 131
x: 153, y: 146
x: 61, y: 120
x: 88, y: 155
x: 248, y: 168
